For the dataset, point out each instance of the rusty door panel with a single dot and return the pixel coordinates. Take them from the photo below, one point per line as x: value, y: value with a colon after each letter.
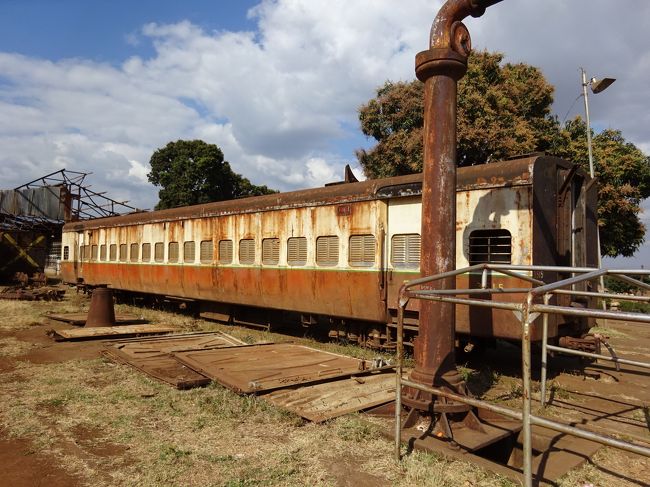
x: 329, y: 400
x: 257, y: 368
x: 153, y: 356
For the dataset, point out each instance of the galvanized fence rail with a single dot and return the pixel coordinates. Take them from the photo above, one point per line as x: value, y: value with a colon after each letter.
x: 527, y: 311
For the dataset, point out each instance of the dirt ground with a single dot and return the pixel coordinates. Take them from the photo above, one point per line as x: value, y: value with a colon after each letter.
x: 69, y: 417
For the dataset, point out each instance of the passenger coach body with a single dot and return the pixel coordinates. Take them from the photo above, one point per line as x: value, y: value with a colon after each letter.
x: 341, y: 252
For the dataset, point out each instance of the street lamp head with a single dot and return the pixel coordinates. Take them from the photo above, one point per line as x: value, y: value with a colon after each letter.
x: 598, y: 85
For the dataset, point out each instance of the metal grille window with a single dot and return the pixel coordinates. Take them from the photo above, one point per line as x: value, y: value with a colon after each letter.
x: 207, y: 251
x: 146, y: 252
x: 172, y: 252
x: 113, y: 252
x: 270, y: 251
x: 405, y: 251
x: 297, y: 251
x: 93, y: 252
x: 327, y: 251
x: 133, y: 254
x: 225, y: 251
x: 189, y: 251
x: 102, y: 252
x: 122, y: 252
x: 362, y: 251
x: 66, y: 253
x: 490, y: 246
x: 247, y: 251
x: 159, y: 252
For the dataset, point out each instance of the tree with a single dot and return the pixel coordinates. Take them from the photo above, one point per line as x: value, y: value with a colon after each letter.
x: 505, y: 110
x: 191, y: 172
x: 502, y: 110
x: 623, y: 173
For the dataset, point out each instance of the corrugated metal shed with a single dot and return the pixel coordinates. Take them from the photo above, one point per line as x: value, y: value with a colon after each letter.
x: 43, y: 202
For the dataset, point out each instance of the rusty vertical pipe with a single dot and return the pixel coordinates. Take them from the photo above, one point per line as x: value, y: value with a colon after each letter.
x: 101, y: 311
x: 440, y: 68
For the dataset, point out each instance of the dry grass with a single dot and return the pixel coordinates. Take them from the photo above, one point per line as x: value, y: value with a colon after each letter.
x: 18, y: 315
x: 10, y: 347
x: 113, y: 426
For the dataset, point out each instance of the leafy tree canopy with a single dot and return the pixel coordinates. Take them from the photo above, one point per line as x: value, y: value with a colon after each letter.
x: 623, y: 173
x: 191, y: 172
x: 505, y: 110
x: 502, y: 110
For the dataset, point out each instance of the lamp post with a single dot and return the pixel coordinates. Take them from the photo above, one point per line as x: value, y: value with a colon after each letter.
x: 596, y: 87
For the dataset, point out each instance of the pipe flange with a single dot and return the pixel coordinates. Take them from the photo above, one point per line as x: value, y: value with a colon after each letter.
x: 440, y: 61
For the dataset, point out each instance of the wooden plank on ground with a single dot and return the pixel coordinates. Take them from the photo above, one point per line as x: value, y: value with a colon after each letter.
x: 99, y: 332
x: 79, y: 319
x: 328, y: 400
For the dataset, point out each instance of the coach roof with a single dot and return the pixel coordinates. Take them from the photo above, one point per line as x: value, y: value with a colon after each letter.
x: 507, y: 173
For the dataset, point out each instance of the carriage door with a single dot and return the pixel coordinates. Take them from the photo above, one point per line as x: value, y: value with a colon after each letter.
x: 76, y: 253
x: 571, y: 222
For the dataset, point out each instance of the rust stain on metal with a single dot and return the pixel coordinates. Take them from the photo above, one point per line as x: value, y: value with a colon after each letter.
x: 257, y: 368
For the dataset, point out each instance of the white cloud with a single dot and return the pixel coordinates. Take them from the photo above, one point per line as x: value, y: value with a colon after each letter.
x: 280, y: 100
x: 276, y: 101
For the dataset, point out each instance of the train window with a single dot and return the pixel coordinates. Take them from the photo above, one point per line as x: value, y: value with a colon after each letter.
x: 490, y: 246
x: 66, y: 252
x: 133, y: 254
x: 225, y: 251
x: 123, y: 252
x: 327, y: 251
x: 113, y: 252
x: 189, y: 251
x: 247, y: 251
x: 102, y: 252
x: 297, y: 251
x: 159, y: 252
x: 405, y: 251
x: 362, y: 251
x: 270, y: 251
x: 207, y: 251
x: 172, y: 252
x: 146, y: 252
x: 86, y: 252
x: 93, y: 252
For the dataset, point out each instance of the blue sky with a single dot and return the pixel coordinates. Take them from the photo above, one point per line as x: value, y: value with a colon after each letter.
x: 99, y: 85
x: 100, y: 29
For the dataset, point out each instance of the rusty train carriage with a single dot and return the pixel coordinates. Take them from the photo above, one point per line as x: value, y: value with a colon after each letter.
x: 338, y: 254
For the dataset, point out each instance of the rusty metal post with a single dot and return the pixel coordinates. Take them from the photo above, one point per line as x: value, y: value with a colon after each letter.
x: 398, y: 374
x: 101, y: 312
x: 526, y: 320
x: 440, y: 68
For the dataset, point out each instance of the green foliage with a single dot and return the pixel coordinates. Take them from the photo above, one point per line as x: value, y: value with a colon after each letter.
x: 634, y: 307
x: 618, y: 286
x: 192, y: 172
x: 505, y: 110
x: 502, y: 110
x: 623, y: 173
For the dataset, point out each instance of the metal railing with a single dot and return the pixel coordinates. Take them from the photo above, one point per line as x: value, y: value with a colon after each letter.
x: 527, y: 311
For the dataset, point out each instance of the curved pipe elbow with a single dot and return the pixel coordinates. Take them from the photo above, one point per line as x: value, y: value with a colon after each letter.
x: 454, y: 11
